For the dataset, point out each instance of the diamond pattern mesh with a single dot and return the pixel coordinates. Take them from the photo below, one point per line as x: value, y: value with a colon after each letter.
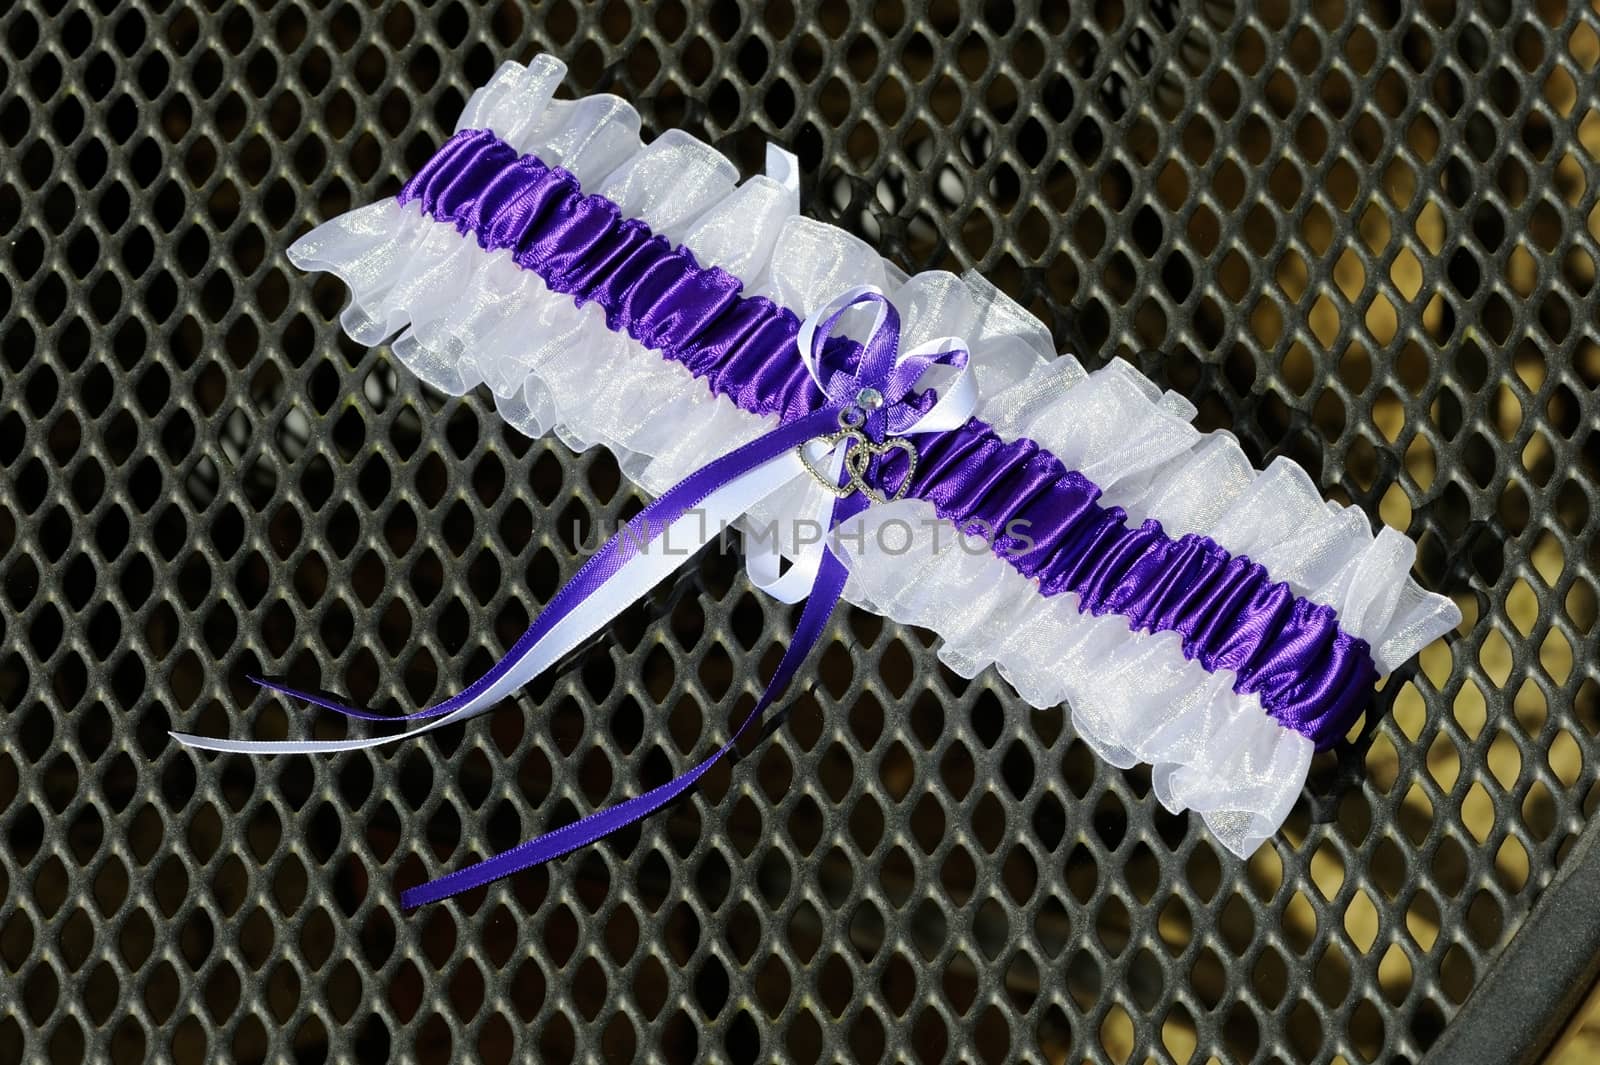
x: 1362, y: 237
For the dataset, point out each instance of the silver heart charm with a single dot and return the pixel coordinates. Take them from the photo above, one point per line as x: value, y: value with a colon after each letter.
x: 857, y: 460
x: 858, y: 456
x: 833, y: 440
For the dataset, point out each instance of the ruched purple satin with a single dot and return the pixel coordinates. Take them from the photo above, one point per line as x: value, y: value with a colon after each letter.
x: 1228, y: 612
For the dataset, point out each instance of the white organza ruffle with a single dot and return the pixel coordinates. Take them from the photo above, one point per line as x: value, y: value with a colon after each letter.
x: 460, y: 317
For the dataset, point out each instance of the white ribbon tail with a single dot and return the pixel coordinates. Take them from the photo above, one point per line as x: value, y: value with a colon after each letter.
x: 783, y: 166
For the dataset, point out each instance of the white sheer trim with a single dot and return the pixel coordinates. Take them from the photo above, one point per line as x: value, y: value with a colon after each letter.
x: 464, y: 317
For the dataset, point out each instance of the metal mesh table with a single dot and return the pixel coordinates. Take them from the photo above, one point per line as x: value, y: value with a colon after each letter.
x: 1361, y: 237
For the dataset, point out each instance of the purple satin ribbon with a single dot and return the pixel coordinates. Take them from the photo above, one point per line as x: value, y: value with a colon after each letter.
x: 813, y: 620
x: 876, y: 369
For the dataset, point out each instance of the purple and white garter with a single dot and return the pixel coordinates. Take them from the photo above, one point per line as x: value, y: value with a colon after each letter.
x: 1215, y: 621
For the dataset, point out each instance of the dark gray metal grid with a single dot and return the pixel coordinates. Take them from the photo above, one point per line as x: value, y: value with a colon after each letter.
x: 1361, y: 236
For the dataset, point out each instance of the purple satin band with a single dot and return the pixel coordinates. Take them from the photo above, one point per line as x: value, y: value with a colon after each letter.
x: 582, y: 246
x: 1229, y: 613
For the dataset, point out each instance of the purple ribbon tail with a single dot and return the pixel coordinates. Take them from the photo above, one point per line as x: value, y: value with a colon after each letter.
x: 813, y: 620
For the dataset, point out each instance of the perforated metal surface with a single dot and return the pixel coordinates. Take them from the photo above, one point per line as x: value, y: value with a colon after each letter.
x: 1359, y: 236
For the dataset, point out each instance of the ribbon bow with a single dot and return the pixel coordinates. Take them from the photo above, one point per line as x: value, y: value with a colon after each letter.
x: 870, y: 407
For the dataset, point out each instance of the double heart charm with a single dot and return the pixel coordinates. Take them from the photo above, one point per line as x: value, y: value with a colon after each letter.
x: 858, y: 455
